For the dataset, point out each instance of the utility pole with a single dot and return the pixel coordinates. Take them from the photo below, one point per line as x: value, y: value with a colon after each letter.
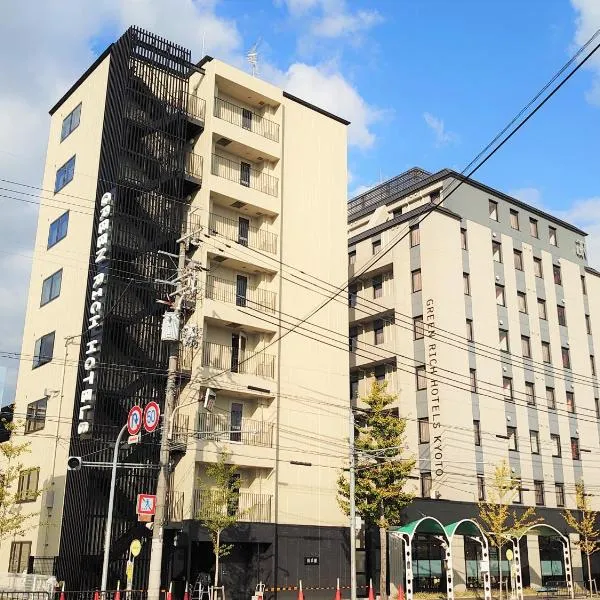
x: 352, y: 509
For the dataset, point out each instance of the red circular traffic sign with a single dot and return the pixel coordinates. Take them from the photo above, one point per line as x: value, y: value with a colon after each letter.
x: 151, y: 416
x: 134, y: 420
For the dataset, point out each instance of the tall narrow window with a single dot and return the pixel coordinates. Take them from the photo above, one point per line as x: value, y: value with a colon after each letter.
x: 51, y: 287
x: 557, y: 274
x: 562, y: 315
x: 503, y: 335
x: 376, y: 246
x: 588, y: 324
x: 424, y: 430
x: 546, y: 355
x: 58, y: 229
x: 416, y: 280
x: 70, y: 122
x: 378, y: 331
x: 353, y: 386
x: 566, y: 358
x: 353, y: 339
x: 552, y: 236
x: 470, y: 330
x: 530, y: 393
x: 518, y: 260
x: 19, y: 557
x: 507, y: 386
x: 352, y: 257
x: 36, y: 415
x: 480, y: 488
x: 575, y: 453
x: 463, y: 239
x: 418, y: 327
x: 526, y: 346
x: 522, y: 301
x: 500, y: 295
x: 352, y: 295
x: 533, y: 228
x: 378, y: 286
x: 518, y: 499
x: 497, y: 251
x: 415, y: 236
x: 551, y: 398
x: 597, y: 405
x: 27, y: 489
x: 44, y: 350
x: 421, y: 378
x: 539, y: 493
x: 426, y: 485
x: 477, y: 432
x: 593, y: 365
x: 583, y: 286
x: 493, y: 210
x: 64, y: 175
x: 467, y: 284
x: 542, y: 309
x: 559, y: 489
x: 513, y: 441
x: 570, y: 402
x: 555, y: 441
x: 473, y: 379
x: 537, y: 267
x: 534, y: 438
x: 514, y: 219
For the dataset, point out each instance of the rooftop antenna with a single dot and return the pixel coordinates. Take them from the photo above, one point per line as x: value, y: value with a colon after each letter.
x: 252, y: 58
x: 203, y: 44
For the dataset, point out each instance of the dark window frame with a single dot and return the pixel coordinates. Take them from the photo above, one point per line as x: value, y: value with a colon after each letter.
x: 50, y: 282
x: 64, y: 174
x: 67, y: 125
x: 35, y: 419
x: 16, y: 564
x: 540, y: 495
x: 424, y: 434
x: 58, y: 230
x: 39, y: 359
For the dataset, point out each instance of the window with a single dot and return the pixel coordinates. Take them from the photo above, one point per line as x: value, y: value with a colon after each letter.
x: 70, y: 122
x: 593, y: 365
x: 19, y: 557
x: 533, y: 228
x: 546, y: 356
x: 507, y: 385
x: 551, y: 398
x: 434, y: 196
x: 477, y: 432
x: 467, y: 284
x: 518, y: 260
x: 539, y: 493
x: 497, y: 251
x: 552, y: 238
x: 588, y: 324
x: 380, y: 374
x: 473, y: 378
x: 58, y: 229
x: 555, y: 440
x: 36, y: 415
x: 514, y: 219
x: 557, y: 274
x: 421, y: 378
x: 522, y: 300
x: 416, y: 280
x: 352, y: 296
x: 426, y: 485
x: 376, y: 245
x: 575, y: 455
x: 378, y: 331
x: 562, y: 315
x: 500, y: 295
x: 583, y: 286
x: 493, y: 208
x: 424, y: 430
x: 352, y: 257
x: 418, y: 328
x: 537, y: 267
x: 415, y: 236
x: 534, y: 438
x: 542, y: 309
x: 27, y: 489
x: 566, y: 358
x: 397, y: 212
x: 513, y: 443
x: 44, y: 350
x: 51, y: 287
x: 353, y: 339
x: 480, y: 487
x: 597, y: 405
x: 526, y: 346
x: 377, y: 287
x: 518, y: 499
x: 64, y: 175
x: 353, y: 386
x: 570, y: 402
x: 530, y: 393
x: 463, y: 239
x: 503, y: 335
x: 470, y: 330
x: 559, y: 489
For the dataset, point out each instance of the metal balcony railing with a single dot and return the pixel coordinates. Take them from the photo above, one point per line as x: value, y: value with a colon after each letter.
x: 227, y: 290
x: 219, y: 427
x: 248, y: 507
x: 186, y: 357
x: 250, y: 236
x: 219, y: 356
x: 196, y: 107
x: 174, y: 505
x: 246, y: 119
x: 193, y: 165
x: 242, y: 173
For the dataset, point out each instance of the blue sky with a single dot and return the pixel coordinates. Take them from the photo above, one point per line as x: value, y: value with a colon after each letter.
x: 424, y: 82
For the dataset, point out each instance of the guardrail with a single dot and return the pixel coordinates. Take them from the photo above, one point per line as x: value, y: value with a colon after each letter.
x: 219, y: 356
x: 250, y: 431
x: 248, y: 507
x: 226, y: 290
x: 250, y: 236
x: 246, y: 119
x: 244, y: 175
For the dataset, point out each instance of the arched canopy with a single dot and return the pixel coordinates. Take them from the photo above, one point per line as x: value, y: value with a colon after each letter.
x: 423, y: 525
x: 464, y: 527
x: 543, y: 530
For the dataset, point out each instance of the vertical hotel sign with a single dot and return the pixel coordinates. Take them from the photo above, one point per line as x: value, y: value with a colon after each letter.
x: 95, y: 323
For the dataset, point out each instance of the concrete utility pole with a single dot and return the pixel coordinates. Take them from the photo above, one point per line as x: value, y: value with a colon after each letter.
x: 352, y: 490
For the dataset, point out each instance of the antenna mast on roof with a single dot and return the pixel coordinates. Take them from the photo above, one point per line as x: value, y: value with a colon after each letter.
x: 252, y: 58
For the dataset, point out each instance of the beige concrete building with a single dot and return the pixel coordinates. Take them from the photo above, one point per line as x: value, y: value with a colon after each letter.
x: 483, y: 317
x: 148, y: 150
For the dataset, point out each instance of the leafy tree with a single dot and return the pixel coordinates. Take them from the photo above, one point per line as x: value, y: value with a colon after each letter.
x: 495, y: 515
x: 381, y: 471
x: 219, y: 504
x: 14, y: 520
x: 585, y: 525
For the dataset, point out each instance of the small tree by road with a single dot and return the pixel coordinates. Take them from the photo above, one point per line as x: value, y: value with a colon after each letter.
x: 497, y: 518
x: 583, y: 522
x: 381, y: 470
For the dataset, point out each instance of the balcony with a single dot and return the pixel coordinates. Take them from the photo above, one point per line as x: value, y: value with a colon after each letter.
x: 249, y: 507
x: 227, y: 358
x: 186, y: 358
x: 250, y: 236
x: 246, y: 119
x: 174, y: 506
x: 218, y: 428
x: 195, y: 108
x: 193, y: 167
x: 246, y: 176
x: 226, y: 290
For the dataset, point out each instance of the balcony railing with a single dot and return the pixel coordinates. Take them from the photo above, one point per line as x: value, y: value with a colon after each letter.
x: 242, y: 173
x: 196, y: 107
x: 248, y: 507
x: 252, y: 237
x: 246, y: 119
x: 174, y: 505
x: 219, y: 356
x: 193, y: 165
x: 227, y: 290
x: 186, y: 357
x: 218, y: 427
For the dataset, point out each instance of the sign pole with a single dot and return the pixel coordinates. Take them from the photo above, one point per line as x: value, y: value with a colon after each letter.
x: 109, y: 518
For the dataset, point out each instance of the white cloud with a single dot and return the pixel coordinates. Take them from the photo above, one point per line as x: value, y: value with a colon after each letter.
x: 443, y: 137
x: 587, y: 22
x: 529, y: 195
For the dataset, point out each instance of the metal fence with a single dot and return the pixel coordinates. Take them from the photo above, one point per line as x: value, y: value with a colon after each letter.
x: 242, y: 173
x: 219, y: 356
x: 249, y: 431
x: 248, y: 507
x: 193, y: 165
x: 250, y: 236
x: 246, y: 119
x: 226, y: 290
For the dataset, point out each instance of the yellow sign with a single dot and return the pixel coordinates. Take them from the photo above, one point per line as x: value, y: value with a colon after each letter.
x: 135, y: 548
x: 509, y: 554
